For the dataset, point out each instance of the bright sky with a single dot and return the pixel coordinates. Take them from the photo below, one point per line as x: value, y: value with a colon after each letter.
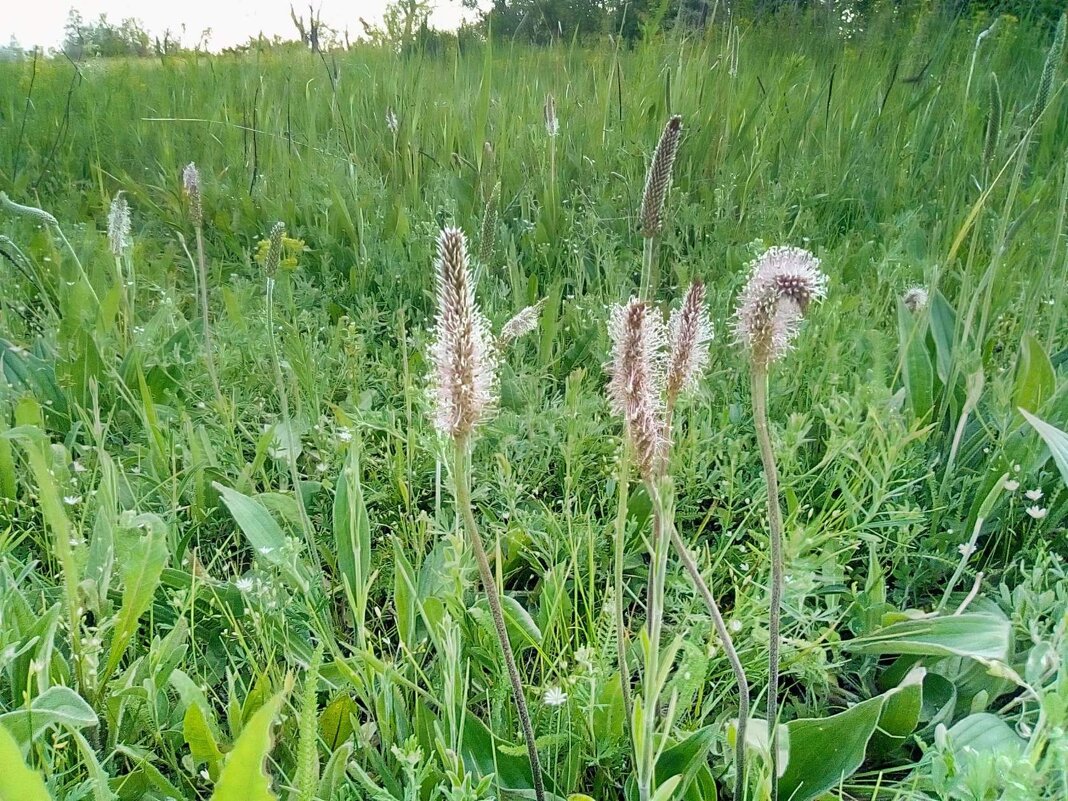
x: 40, y: 22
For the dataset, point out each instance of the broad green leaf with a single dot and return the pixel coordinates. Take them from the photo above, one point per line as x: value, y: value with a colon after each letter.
x: 943, y: 326
x: 404, y: 596
x: 243, y: 776
x: 264, y: 535
x: 984, y: 733
x: 1035, y: 379
x: 201, y: 740
x: 685, y: 759
x: 352, y: 527
x: 916, y: 370
x: 824, y: 751
x: 520, y: 618
x: 18, y: 782
x: 56, y: 706
x: 1056, y: 440
x: 666, y: 790
x: 335, y: 722
x: 141, y: 559
x: 900, y: 716
x: 977, y: 635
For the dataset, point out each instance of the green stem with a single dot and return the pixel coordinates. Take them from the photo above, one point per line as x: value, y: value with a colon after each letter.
x: 649, y: 277
x: 654, y: 624
x: 461, y: 483
x: 623, y: 480
x: 205, y: 317
x: 283, y: 401
x: 732, y: 657
x: 771, y: 475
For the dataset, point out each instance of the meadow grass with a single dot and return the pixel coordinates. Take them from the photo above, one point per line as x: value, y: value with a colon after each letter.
x: 161, y: 612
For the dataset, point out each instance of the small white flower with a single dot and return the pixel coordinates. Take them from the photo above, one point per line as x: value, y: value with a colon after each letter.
x: 1012, y: 485
x: 966, y: 549
x: 244, y: 584
x: 344, y: 435
x: 77, y: 467
x: 72, y: 500
x: 1035, y: 494
x: 735, y: 626
x: 266, y: 550
x: 1037, y: 512
x: 554, y: 696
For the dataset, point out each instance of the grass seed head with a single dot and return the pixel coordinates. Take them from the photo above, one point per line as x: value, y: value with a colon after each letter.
x: 689, y: 332
x: 658, y: 180
x: 782, y: 284
x: 463, y: 356
x: 636, y: 381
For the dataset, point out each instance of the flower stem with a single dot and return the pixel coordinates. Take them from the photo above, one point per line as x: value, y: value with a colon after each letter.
x: 654, y: 623
x: 461, y: 483
x: 771, y: 476
x: 623, y: 482
x: 649, y: 277
x: 732, y: 657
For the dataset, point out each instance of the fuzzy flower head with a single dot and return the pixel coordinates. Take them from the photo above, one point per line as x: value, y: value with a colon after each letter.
x: 636, y: 380
x: 915, y: 299
x: 191, y: 185
x: 463, y: 356
x: 524, y: 322
x: 119, y: 226
x: 782, y: 284
x: 689, y: 332
x: 552, y: 122
x: 392, y: 123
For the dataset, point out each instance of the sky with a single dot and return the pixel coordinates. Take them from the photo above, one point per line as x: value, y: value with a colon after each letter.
x: 40, y: 22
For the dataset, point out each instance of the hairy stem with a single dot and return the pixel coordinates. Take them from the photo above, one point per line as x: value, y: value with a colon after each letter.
x: 291, y: 456
x: 771, y: 475
x: 732, y: 657
x: 649, y: 277
x: 623, y: 481
x: 461, y: 483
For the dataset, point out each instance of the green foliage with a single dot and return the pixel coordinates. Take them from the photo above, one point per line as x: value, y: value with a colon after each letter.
x: 155, y: 583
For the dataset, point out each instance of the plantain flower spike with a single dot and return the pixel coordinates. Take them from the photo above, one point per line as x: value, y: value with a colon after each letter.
x: 525, y: 321
x: 636, y: 381
x: 782, y: 284
x: 191, y: 184
x: 119, y: 226
x: 689, y: 332
x: 274, y: 249
x: 464, y: 359
x: 658, y: 179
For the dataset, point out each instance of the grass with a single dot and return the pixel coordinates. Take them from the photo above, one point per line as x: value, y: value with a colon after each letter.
x: 167, y: 529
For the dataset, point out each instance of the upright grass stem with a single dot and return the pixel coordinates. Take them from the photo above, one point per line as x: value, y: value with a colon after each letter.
x: 771, y: 476
x: 462, y: 487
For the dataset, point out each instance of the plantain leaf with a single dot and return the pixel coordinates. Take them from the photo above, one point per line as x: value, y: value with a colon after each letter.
x: 976, y: 635
x: 243, y: 777
x: 201, y: 740
x: 18, y: 782
x: 265, y: 535
x: 1056, y: 440
x: 1035, y: 379
x: 56, y: 706
x: 352, y: 527
x: 916, y: 369
x: 141, y: 559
